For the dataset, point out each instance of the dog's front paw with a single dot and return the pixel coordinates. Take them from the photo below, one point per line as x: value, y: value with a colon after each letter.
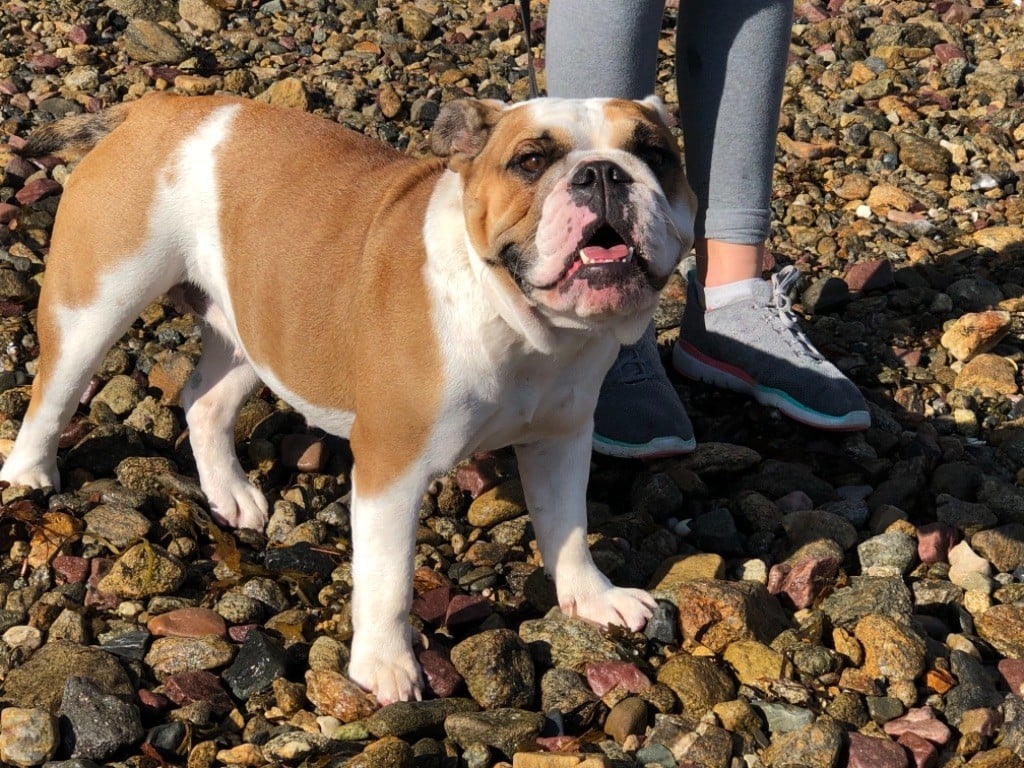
x: 31, y: 476
x: 237, y: 503
x: 390, y: 677
x: 606, y: 606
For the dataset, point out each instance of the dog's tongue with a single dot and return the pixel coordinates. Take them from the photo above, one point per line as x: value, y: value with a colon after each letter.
x: 598, y: 253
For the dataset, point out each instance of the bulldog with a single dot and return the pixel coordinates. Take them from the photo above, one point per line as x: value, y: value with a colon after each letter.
x: 422, y: 308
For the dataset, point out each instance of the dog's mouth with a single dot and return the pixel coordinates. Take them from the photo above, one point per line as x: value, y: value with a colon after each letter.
x: 603, y: 255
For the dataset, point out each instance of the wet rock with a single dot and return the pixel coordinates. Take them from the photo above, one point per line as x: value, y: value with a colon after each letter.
x: 698, y: 682
x: 566, y: 691
x: 416, y: 719
x: 332, y: 693
x: 559, y: 641
x: 628, y: 717
x: 187, y: 622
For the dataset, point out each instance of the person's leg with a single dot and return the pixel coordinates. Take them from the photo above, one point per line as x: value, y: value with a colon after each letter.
x: 609, y: 48
x: 738, y: 331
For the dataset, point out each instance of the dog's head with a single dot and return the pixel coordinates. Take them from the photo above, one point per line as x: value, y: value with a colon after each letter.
x: 581, y: 205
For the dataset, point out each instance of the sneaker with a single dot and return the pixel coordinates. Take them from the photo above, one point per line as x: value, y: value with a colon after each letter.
x: 639, y: 415
x: 755, y: 346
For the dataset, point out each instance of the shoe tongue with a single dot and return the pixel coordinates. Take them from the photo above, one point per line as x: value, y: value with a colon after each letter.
x: 599, y: 253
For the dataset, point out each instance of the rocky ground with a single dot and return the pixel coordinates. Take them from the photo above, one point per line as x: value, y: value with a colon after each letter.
x: 833, y: 600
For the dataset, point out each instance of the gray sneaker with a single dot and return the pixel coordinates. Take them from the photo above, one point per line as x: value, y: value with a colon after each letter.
x: 639, y: 415
x: 756, y: 347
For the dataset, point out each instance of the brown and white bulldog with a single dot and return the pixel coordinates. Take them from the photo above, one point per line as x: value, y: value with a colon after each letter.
x: 425, y: 309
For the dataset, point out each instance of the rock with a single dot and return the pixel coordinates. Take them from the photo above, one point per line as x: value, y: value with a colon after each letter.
x: 716, y: 613
x: 923, y: 155
x: 877, y: 274
x: 503, y: 729
x: 867, y: 752
x: 1008, y: 240
x: 717, y: 458
x: 811, y: 525
x: 967, y: 569
x: 560, y: 641
x: 306, y: 453
x: 148, y: 42
x: 678, y: 570
x: 921, y: 722
x: 497, y: 668
x: 804, y: 581
x: 290, y: 93
x: 628, y: 717
x: 389, y: 752
x: 187, y: 622
x: 826, y: 295
x: 171, y: 655
x: 784, y: 718
x: 187, y: 688
x: 992, y: 374
x: 116, y: 524
x: 604, y: 676
x: 416, y: 719
x: 498, y: 504
x: 260, y: 660
x: 567, y: 692
x: 95, y: 725
x: 864, y: 595
x: 332, y: 693
x: 975, y: 332
x: 892, y: 651
x: 143, y: 571
x: 1002, y: 546
x: 200, y: 14
x: 27, y: 736
x: 815, y: 746
x: 39, y: 682
x: 1003, y: 627
x: 416, y: 23
x: 888, y: 554
x: 755, y: 664
x: 698, y: 683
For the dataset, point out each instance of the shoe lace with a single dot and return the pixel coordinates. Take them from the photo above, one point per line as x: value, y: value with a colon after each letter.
x: 781, y: 306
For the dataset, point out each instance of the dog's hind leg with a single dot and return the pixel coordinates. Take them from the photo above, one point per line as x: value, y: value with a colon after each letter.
x: 222, y: 380
x: 72, y: 341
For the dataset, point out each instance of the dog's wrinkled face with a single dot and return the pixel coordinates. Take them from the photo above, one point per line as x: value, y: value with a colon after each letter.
x: 583, y: 203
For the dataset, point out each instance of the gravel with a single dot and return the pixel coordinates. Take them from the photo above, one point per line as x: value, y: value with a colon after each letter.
x: 824, y: 600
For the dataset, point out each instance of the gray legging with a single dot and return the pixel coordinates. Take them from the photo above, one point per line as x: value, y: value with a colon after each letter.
x: 731, y: 60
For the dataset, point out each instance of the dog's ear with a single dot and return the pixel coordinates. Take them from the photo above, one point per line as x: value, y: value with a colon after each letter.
x: 462, y: 128
x: 655, y: 103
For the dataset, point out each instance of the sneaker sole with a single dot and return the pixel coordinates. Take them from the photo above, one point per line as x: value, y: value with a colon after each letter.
x: 693, y: 364
x: 658, y: 448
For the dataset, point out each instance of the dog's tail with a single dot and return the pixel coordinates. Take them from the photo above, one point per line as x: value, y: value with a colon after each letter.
x: 78, y: 133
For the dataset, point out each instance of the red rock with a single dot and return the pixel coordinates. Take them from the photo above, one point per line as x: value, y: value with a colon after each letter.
x: 958, y: 14
x: 98, y: 568
x: 507, y: 13
x: 152, y: 703
x: 305, y: 453
x: 70, y: 569
x: 556, y: 743
x: 432, y: 605
x: 811, y: 12
x: 603, y: 676
x: 20, y: 167
x: 921, y: 722
x: 803, y: 582
x: 875, y: 275
x: 16, y: 143
x: 911, y: 358
x: 44, y: 62
x: 239, y: 632
x: 78, y: 34
x: 37, y: 190
x: 947, y: 52
x: 866, y: 752
x: 1012, y: 671
x: 188, y: 622
x: 9, y: 88
x: 8, y: 213
x: 440, y: 675
x: 467, y: 609
x: 922, y: 752
x: 934, y: 541
x: 186, y: 688
x: 478, y: 475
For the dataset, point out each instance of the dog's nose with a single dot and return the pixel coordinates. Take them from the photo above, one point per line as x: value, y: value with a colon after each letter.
x: 599, y: 173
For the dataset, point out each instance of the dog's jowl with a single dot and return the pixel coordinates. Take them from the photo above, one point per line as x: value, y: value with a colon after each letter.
x: 424, y: 309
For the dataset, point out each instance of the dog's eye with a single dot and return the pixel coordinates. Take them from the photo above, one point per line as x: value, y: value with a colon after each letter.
x: 530, y: 163
x: 655, y: 156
